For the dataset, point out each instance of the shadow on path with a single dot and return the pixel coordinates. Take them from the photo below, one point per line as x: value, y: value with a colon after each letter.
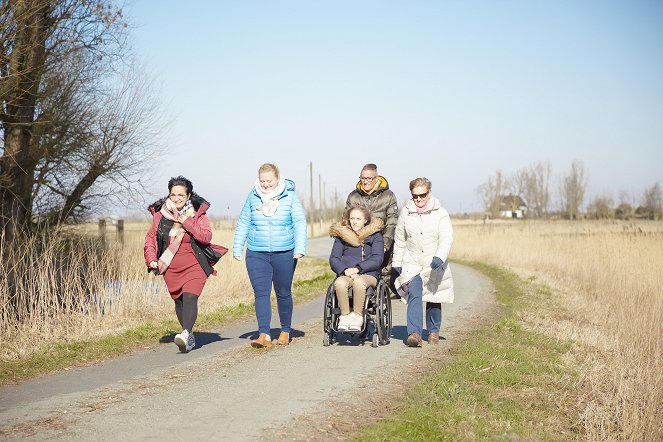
x: 274, y: 333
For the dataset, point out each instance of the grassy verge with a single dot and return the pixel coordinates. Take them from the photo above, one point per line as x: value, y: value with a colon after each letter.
x: 71, y: 354
x: 502, y: 383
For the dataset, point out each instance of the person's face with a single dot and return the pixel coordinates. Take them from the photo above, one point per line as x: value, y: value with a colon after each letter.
x: 178, y: 196
x: 368, y: 179
x: 268, y: 180
x: 420, y: 196
x: 357, y: 220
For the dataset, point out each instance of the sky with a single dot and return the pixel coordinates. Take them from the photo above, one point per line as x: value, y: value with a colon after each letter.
x: 449, y: 90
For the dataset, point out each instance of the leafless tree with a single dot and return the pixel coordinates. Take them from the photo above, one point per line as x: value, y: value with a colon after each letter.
x: 121, y: 136
x: 72, y: 130
x: 572, y: 190
x: 492, y: 191
x: 601, y: 207
x: 537, y: 189
x: 652, y: 201
x: 518, y: 182
x: 624, y: 209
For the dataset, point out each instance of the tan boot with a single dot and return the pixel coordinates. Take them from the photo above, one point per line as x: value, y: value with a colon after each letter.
x: 433, y: 338
x: 413, y: 340
x: 284, y: 338
x: 263, y: 341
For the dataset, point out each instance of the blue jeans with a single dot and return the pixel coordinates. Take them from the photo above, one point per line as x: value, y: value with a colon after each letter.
x: 415, y: 310
x: 265, y: 269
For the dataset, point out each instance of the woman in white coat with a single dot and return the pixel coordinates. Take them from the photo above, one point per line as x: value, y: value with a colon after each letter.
x: 422, y: 243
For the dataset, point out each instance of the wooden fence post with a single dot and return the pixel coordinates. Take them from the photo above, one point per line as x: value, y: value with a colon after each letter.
x: 120, y: 232
x: 102, y: 232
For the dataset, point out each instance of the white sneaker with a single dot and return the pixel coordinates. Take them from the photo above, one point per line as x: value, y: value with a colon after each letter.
x: 344, y: 322
x: 191, y: 342
x: 185, y: 341
x: 356, y: 322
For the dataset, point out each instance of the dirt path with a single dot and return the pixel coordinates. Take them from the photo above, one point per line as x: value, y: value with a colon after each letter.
x: 224, y: 389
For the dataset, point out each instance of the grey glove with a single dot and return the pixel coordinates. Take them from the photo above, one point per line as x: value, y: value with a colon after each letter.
x: 436, y: 263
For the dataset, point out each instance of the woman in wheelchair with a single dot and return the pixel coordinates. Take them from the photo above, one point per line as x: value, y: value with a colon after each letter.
x: 356, y: 258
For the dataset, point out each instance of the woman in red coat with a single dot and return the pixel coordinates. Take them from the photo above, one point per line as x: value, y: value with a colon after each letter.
x: 173, y: 248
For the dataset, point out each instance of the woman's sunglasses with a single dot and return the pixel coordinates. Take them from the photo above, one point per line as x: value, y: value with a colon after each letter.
x: 420, y: 196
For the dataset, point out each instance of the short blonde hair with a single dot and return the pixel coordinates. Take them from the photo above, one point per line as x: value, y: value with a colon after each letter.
x: 421, y: 182
x: 269, y: 167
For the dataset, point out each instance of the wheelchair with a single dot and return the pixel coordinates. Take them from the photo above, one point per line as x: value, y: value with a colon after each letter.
x: 377, y: 316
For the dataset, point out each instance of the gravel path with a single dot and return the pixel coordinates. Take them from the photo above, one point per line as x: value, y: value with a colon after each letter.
x: 223, y: 390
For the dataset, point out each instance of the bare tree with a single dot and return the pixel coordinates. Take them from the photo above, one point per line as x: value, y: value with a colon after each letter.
x: 652, y: 201
x: 601, y: 207
x: 624, y: 209
x: 518, y: 182
x: 70, y: 129
x: 537, y: 189
x: 572, y: 190
x: 121, y: 135
x: 492, y: 191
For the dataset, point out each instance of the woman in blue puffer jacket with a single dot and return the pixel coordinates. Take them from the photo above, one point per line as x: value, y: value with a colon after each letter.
x: 274, y: 223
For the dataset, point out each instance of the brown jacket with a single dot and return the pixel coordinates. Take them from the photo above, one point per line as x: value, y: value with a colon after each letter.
x: 382, y: 204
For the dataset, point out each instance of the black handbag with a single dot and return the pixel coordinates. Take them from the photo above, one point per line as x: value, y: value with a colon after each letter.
x: 213, y: 253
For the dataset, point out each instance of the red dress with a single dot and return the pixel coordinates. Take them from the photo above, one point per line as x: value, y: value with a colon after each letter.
x: 184, y: 274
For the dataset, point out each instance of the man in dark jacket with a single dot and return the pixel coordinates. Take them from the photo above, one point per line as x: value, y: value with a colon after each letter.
x: 373, y: 192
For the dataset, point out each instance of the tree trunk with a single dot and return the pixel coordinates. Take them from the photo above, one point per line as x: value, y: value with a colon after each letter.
x: 20, y: 94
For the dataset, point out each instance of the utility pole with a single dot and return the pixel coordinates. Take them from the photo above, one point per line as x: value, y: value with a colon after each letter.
x: 336, y: 217
x: 321, y: 215
x: 311, y: 206
x: 324, y: 200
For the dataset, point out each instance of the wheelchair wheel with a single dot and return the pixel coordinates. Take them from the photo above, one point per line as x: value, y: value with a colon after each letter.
x: 328, y: 317
x: 383, y: 314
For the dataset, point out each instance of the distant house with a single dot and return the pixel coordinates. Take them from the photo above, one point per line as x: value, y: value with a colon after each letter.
x: 512, y: 206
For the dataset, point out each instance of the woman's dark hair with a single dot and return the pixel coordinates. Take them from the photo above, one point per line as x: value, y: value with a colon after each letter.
x: 362, y: 209
x: 180, y: 181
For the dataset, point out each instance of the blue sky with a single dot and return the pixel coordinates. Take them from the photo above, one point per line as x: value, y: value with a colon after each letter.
x: 450, y: 90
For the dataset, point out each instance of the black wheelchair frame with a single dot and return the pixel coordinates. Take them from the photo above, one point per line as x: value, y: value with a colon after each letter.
x: 377, y: 316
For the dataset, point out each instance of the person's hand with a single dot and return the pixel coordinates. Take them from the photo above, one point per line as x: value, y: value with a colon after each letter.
x: 436, y: 263
x: 298, y: 256
x: 397, y: 271
x: 238, y: 258
x: 153, y: 265
x: 351, y: 271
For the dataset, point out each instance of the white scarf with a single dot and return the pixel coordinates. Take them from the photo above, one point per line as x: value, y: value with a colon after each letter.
x: 270, y: 200
x: 176, y: 233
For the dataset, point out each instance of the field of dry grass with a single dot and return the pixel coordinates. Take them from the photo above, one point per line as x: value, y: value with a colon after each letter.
x: 98, y: 292
x: 605, y: 279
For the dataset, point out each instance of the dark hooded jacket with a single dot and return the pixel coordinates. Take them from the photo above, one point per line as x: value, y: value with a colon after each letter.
x: 363, y: 249
x: 198, y: 227
x: 382, y: 204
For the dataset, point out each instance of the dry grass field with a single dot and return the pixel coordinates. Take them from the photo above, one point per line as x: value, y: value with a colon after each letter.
x: 99, y: 291
x: 606, y: 284
x: 604, y: 280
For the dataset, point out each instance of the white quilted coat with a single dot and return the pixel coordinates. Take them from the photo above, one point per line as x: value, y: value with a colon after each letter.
x: 418, y: 238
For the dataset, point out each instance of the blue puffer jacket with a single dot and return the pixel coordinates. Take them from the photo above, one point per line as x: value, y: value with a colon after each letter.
x: 285, y: 230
